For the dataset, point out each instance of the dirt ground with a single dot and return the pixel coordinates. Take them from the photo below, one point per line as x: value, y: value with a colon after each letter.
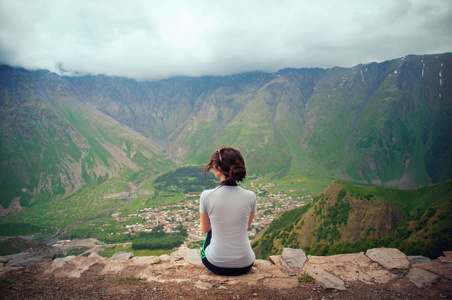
x: 30, y: 283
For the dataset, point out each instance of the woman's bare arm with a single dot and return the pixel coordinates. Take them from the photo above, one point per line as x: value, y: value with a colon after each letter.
x: 251, y: 219
x: 205, y: 223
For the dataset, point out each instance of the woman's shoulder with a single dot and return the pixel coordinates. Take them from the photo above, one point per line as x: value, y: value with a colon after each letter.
x: 207, y: 192
x: 248, y: 192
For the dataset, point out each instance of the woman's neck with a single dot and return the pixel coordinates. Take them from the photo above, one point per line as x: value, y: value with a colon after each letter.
x: 228, y: 183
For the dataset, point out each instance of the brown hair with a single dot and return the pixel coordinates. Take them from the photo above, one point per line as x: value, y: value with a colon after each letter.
x: 231, y: 163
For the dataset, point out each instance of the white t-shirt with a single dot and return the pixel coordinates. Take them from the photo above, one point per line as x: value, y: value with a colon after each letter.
x: 229, y: 209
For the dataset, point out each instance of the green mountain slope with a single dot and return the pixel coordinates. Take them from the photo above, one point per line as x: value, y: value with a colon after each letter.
x: 68, y: 141
x: 54, y: 147
x: 352, y: 218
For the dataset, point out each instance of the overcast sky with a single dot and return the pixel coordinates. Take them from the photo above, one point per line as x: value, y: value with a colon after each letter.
x: 158, y: 39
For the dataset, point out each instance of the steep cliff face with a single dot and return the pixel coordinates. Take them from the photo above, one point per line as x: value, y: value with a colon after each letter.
x: 379, y: 123
x: 339, y: 216
x: 352, y: 218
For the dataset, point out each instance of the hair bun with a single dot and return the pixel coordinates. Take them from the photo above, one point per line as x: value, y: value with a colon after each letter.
x: 237, y: 171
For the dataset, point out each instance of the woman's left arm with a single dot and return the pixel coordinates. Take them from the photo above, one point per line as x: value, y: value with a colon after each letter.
x: 205, y: 223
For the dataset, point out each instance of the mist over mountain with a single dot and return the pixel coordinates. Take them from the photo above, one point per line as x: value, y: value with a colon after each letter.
x: 384, y: 123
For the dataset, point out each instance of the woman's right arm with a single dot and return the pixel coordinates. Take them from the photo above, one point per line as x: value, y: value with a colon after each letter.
x: 205, y: 223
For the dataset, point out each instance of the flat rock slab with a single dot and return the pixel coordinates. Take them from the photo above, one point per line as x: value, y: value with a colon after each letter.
x: 61, y: 261
x: 3, y: 260
x: 113, y: 267
x: 389, y: 258
x: 263, y: 262
x: 325, y: 279
x: 72, y: 268
x: 164, y: 258
x: 419, y: 260
x: 446, y: 259
x: 261, y: 270
x: 438, y: 268
x: 275, y: 259
x: 351, y: 267
x: 292, y: 260
x: 28, y: 259
x: 262, y: 266
x: 122, y: 255
x: 192, y: 256
x: 421, y: 278
x: 146, y: 260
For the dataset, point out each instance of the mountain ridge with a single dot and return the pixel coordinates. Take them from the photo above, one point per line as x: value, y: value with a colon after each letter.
x: 380, y: 123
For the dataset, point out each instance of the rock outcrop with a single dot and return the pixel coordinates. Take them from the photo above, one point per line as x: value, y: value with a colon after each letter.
x: 292, y: 260
x: 389, y: 258
x: 287, y: 271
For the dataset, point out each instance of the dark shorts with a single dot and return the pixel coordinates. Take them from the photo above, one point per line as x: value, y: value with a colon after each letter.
x: 220, y: 270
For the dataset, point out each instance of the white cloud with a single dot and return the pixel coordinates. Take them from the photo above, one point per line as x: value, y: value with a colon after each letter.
x: 157, y: 39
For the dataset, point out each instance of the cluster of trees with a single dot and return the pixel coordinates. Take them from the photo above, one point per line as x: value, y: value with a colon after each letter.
x: 336, y: 215
x: 165, y: 243
x: 185, y: 179
x: 159, y: 240
x: 429, y: 248
x: 23, y: 229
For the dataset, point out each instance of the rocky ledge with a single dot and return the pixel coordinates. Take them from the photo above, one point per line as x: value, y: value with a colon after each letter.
x: 378, y: 273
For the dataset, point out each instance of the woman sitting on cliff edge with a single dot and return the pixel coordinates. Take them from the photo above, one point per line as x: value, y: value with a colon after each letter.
x: 226, y: 215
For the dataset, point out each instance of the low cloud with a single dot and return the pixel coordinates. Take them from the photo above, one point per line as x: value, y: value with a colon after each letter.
x: 159, y: 39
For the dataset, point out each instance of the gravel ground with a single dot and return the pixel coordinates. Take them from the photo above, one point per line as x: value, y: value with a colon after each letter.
x: 31, y: 283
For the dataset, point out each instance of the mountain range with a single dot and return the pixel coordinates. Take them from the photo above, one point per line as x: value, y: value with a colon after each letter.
x: 67, y: 141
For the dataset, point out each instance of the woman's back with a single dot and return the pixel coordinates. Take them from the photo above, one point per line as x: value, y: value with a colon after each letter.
x: 229, y: 209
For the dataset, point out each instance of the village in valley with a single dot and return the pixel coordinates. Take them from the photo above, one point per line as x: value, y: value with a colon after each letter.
x: 186, y: 213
